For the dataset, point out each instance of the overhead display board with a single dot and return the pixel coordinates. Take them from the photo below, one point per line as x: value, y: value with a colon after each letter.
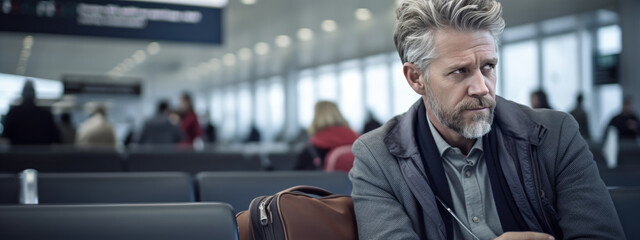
x: 148, y: 20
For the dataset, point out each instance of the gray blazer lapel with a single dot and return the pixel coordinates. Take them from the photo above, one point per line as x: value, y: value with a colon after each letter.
x: 402, y: 144
x: 513, y: 180
x: 417, y: 181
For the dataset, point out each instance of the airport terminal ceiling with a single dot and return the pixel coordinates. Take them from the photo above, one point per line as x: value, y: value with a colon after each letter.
x: 244, y: 26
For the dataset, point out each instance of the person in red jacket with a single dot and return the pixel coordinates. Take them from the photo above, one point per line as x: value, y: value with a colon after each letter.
x: 189, y: 123
x: 328, y: 130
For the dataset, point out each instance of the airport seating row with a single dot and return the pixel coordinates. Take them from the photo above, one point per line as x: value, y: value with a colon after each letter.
x: 148, y: 161
x: 73, y: 204
x: 194, y: 221
x: 235, y: 188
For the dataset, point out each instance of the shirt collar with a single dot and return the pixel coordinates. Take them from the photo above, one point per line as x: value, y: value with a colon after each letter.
x: 443, y: 146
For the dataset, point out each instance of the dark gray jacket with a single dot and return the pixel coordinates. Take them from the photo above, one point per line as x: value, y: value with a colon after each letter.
x: 548, y: 166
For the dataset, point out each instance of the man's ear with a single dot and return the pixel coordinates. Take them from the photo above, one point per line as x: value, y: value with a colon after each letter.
x: 414, y: 77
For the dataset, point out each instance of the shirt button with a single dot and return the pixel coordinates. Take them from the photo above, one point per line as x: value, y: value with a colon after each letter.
x: 470, y: 163
x: 467, y: 173
x: 475, y: 219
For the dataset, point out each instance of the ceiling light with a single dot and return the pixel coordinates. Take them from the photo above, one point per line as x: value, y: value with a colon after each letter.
x: 244, y: 54
x: 153, y: 48
x: 128, y: 64
x: 27, y: 42
x: 283, y: 41
x: 363, y: 14
x: 305, y: 34
x: 214, y: 64
x: 248, y: 2
x: 262, y: 48
x: 329, y: 25
x: 229, y: 59
x: 139, y: 56
x: 192, y: 74
x: 203, y: 68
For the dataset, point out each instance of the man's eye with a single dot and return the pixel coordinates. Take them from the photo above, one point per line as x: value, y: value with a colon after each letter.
x: 458, y: 71
x: 488, y: 66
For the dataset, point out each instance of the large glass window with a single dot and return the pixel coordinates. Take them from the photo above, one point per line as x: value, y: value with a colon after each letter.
x: 244, y: 110
x: 377, y: 87
x: 351, y: 104
x: 609, y: 40
x: 276, y: 102
x: 326, y: 86
x: 262, y: 110
x: 520, y: 68
x: 229, y: 125
x: 11, y: 89
x: 306, y: 98
x: 403, y: 94
x: 560, y: 59
x: 217, y: 107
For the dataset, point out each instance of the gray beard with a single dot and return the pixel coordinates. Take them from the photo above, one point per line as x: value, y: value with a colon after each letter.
x: 452, y: 118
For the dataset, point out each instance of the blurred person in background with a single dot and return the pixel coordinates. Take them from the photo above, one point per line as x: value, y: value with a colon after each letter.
x: 626, y: 122
x: 328, y: 130
x: 371, y: 123
x: 254, y: 134
x: 160, y: 129
x: 539, y: 99
x: 210, y: 131
x: 96, y: 130
x: 581, y: 117
x: 189, y: 121
x: 66, y: 129
x: 28, y: 124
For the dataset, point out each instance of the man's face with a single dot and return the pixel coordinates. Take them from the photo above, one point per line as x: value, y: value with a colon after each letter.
x: 460, y: 91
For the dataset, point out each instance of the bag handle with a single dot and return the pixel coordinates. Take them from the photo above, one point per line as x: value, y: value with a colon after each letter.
x: 308, y: 189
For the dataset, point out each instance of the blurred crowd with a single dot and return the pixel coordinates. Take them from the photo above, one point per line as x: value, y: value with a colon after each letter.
x: 29, y: 124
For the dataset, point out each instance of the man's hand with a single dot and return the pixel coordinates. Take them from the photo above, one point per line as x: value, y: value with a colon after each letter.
x: 524, y: 236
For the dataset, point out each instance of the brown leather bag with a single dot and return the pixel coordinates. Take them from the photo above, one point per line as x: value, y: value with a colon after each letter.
x: 295, y: 214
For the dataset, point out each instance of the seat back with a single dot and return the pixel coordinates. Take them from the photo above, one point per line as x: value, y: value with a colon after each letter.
x: 239, y: 188
x: 124, y: 187
x: 339, y: 159
x: 191, y: 162
x: 620, y: 176
x: 282, y: 161
x: 193, y: 221
x: 9, y: 188
x: 626, y: 200
x: 61, y: 161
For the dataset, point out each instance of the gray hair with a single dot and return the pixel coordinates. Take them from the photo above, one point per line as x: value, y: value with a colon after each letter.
x: 418, y: 21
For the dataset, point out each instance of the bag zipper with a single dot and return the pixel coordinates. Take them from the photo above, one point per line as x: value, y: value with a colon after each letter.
x: 267, y: 231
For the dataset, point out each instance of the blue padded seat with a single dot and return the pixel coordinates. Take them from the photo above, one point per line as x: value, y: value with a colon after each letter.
x: 239, y: 188
x: 627, y: 200
x: 191, y: 162
x: 194, y: 221
x: 123, y: 187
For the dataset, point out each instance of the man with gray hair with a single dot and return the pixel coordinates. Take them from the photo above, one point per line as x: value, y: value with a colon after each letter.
x: 463, y: 163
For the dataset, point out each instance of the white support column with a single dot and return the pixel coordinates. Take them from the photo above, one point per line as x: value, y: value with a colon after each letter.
x: 630, y: 56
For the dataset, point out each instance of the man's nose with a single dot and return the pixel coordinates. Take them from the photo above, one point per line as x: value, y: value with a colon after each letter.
x: 478, y: 84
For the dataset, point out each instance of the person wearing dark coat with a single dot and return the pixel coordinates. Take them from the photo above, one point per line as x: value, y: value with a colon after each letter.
x: 66, y: 129
x: 626, y: 122
x: 371, y: 124
x: 28, y: 124
x: 159, y: 129
x: 539, y: 99
x: 581, y: 117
